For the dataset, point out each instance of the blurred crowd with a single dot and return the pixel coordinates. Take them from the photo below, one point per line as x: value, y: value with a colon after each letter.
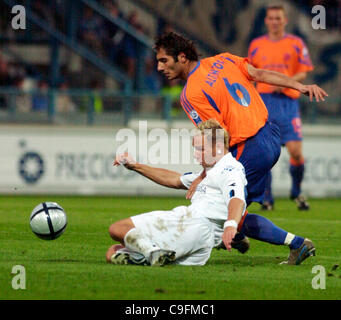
x: 117, y: 46
x: 93, y: 31
x: 34, y: 92
x: 108, y: 41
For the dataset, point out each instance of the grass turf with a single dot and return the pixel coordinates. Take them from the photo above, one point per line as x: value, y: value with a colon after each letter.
x: 74, y: 267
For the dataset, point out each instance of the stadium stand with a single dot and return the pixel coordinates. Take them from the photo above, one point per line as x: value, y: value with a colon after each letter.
x: 84, y: 69
x: 98, y: 54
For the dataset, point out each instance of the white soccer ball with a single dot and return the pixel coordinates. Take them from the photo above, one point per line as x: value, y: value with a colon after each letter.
x: 48, y: 220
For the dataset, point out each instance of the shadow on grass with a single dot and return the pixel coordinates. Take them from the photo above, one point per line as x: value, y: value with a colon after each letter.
x: 247, y: 261
x: 61, y: 260
x: 240, y: 260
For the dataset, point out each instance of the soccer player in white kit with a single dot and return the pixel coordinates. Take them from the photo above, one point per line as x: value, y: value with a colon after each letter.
x: 186, y: 235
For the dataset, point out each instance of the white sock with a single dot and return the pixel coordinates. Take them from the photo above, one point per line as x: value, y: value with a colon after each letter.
x: 289, y: 238
x: 136, y: 241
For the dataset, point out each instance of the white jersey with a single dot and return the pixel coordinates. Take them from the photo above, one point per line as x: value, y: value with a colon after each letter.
x: 224, y: 181
x: 193, y: 231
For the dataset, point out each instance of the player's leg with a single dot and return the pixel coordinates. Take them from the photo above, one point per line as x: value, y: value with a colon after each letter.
x: 112, y: 250
x: 297, y: 172
x: 258, y: 155
x: 197, y: 258
x: 164, y: 236
x: 118, y: 254
x: 296, y: 166
x: 119, y: 229
x: 260, y: 228
x: 178, y: 232
x: 292, y: 138
x: 135, y: 240
x: 257, y: 168
x: 194, y: 246
x: 274, y: 104
x: 268, y: 200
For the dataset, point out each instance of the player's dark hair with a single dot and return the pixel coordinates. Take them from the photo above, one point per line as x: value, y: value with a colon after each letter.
x: 174, y: 44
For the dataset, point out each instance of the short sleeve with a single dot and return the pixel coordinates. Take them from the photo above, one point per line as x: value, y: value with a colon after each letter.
x: 188, y: 177
x: 240, y: 62
x: 251, y: 52
x: 200, y: 106
x: 304, y: 61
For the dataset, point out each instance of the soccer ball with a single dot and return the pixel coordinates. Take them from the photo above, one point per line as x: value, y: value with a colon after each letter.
x: 48, y: 220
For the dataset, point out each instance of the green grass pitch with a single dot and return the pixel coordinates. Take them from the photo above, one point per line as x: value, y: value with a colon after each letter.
x: 73, y: 266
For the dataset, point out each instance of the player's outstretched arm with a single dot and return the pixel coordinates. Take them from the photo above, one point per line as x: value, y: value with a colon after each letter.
x: 281, y: 80
x: 164, y: 177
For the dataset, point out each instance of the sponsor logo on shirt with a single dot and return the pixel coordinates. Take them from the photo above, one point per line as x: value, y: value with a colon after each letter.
x: 229, y: 168
x: 201, y: 189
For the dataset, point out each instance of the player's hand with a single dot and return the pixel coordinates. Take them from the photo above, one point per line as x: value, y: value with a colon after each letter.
x: 194, y: 185
x: 313, y: 91
x: 228, y: 235
x: 126, y: 159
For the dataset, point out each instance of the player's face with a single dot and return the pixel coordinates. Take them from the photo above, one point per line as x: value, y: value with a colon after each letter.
x: 276, y: 21
x: 167, y: 65
x: 204, y: 152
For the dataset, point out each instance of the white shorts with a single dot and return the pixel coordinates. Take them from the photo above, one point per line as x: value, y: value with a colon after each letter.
x: 191, y: 237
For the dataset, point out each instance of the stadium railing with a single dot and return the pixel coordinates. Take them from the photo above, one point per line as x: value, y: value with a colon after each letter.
x: 81, y: 106
x: 92, y: 107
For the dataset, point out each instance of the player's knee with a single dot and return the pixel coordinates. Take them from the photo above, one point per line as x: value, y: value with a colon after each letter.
x: 296, y: 153
x: 119, y: 229
x: 297, y: 157
x: 114, y: 231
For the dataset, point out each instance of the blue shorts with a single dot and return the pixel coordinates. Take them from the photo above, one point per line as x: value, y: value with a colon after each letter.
x: 258, y: 155
x: 284, y: 111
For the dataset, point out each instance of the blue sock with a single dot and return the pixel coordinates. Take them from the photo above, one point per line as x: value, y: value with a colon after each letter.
x: 260, y: 228
x: 296, y: 173
x: 267, y: 192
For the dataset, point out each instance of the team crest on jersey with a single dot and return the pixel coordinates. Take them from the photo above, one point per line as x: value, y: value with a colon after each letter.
x: 286, y: 57
x: 194, y: 115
